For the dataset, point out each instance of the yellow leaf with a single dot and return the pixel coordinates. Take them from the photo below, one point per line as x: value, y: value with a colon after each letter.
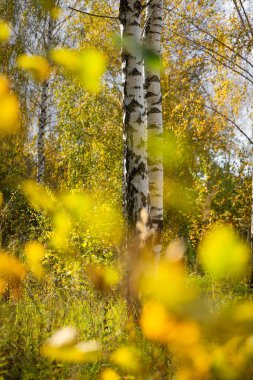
x: 223, y: 254
x: 34, y: 253
x: 5, y: 31
x: 154, y: 321
x: 9, y: 108
x: 37, y: 65
x: 68, y: 59
x: 166, y: 285
x: 38, y: 196
x: 92, y: 68
x: 11, y: 270
x: 103, y: 278
x: 88, y: 66
x: 127, y: 358
x: 55, y: 12
x: 62, y: 228
x: 109, y: 374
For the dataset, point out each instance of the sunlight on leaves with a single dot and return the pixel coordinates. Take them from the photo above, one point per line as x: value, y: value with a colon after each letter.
x: 1, y: 199
x: 36, y: 65
x: 223, y: 254
x: 34, y: 253
x: 5, y: 31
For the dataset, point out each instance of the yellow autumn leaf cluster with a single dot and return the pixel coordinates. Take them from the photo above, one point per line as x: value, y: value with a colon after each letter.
x: 9, y: 108
x: 88, y: 66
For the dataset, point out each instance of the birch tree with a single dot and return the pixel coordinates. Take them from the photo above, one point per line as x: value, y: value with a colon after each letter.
x: 136, y: 190
x: 43, y: 108
x: 153, y: 98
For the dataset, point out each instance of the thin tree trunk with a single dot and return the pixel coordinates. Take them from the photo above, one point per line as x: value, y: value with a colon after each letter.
x: 41, y: 134
x: 43, y: 113
x: 135, y: 176
x: 153, y: 97
x: 134, y: 132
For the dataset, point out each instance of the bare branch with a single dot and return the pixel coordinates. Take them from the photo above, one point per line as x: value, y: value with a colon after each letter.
x: 226, y: 118
x: 93, y: 14
x: 213, y: 37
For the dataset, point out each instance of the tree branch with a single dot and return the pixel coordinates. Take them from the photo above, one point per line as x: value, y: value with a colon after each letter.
x: 226, y: 118
x: 93, y: 14
x: 212, y: 36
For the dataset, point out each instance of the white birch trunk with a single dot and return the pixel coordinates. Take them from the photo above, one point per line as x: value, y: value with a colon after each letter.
x: 134, y: 134
x: 153, y: 98
x: 43, y: 113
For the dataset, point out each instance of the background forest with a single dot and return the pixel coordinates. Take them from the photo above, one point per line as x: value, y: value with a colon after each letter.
x: 80, y: 297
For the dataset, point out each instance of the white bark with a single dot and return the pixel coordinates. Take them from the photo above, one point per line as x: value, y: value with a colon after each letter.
x: 134, y: 135
x: 153, y: 97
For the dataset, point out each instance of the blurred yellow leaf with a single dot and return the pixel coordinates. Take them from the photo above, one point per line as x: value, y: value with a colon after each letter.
x: 103, y: 278
x: 157, y: 324
x: 1, y: 199
x: 153, y: 321
x: 127, y: 358
x: 109, y: 374
x: 68, y: 59
x: 166, y: 284
x: 223, y: 254
x: 34, y: 253
x: 93, y: 66
x: 9, y: 108
x: 88, y: 66
x: 55, y: 12
x: 37, y: 65
x: 12, y: 270
x: 61, y: 346
x: 79, y: 205
x: 5, y: 31
x: 62, y: 228
x: 38, y: 196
